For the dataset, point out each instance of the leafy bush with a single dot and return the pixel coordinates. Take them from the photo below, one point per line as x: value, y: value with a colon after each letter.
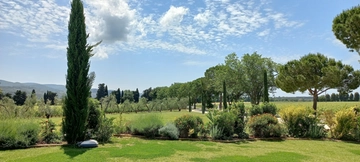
x: 170, y: 130
x: 94, y: 115
x: 269, y: 108
x: 238, y: 108
x: 216, y: 132
x: 346, y: 123
x: 189, y: 125
x: 48, y: 132
x: 120, y: 125
x: 256, y: 110
x: 225, y: 121
x: 105, y: 130
x: 17, y: 133
x: 265, y: 125
x: 301, y: 123
x: 147, y: 125
x: 297, y: 120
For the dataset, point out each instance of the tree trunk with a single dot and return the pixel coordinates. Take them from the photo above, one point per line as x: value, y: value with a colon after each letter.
x: 315, y: 98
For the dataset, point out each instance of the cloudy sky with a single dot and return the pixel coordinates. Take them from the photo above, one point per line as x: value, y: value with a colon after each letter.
x: 156, y: 43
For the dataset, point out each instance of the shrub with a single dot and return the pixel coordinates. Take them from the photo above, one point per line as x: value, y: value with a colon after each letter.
x: 120, y: 125
x: 297, y: 120
x: 147, y: 125
x: 216, y: 132
x: 94, y: 115
x: 265, y: 125
x: 48, y: 132
x: 189, y: 125
x: 256, y: 110
x: 238, y: 108
x: 169, y: 130
x: 301, y: 123
x: 225, y: 121
x: 345, y: 124
x: 105, y: 130
x: 269, y: 108
x: 18, y: 133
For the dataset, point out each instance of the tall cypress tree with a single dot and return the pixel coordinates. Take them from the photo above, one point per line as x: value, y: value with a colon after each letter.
x: 78, y: 79
x: 225, y: 95
x: 106, y: 92
x: 266, y: 89
x: 118, y: 96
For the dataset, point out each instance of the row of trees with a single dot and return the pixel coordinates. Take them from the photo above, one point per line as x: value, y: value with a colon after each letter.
x: 340, y: 97
x: 20, y: 97
x: 120, y: 96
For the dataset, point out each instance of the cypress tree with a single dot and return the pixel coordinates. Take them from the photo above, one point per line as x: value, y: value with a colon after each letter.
x: 106, y: 92
x: 225, y: 95
x: 266, y: 93
x: 118, y: 96
x: 78, y: 79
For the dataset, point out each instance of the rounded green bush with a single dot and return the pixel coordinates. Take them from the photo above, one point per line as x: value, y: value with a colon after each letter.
x: 189, y: 125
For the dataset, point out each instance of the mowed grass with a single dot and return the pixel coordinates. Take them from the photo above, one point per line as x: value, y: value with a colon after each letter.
x: 135, y: 149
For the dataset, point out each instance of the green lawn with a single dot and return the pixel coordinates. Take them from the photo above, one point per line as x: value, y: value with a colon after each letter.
x: 134, y: 149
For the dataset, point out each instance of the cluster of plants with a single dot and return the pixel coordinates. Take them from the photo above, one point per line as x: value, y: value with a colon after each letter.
x: 344, y: 124
x: 263, y: 123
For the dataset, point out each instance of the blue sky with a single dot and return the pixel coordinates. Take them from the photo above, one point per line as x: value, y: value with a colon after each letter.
x: 156, y: 43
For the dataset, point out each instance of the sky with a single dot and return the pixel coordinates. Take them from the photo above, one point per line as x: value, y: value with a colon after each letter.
x: 156, y: 43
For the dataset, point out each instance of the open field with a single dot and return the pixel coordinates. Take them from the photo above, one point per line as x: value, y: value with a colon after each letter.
x: 321, y: 105
x: 134, y: 149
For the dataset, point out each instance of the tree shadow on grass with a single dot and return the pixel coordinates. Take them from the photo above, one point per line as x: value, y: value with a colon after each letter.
x: 73, y: 151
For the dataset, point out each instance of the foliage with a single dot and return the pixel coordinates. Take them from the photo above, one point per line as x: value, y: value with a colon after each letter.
x: 225, y: 121
x: 108, y: 104
x: 147, y: 125
x: 169, y: 130
x: 356, y: 96
x: 346, y: 124
x: 269, y: 108
x: 250, y: 72
x: 94, y: 115
x: 189, y: 125
x: 78, y: 79
x: 216, y: 132
x: 256, y: 110
x: 50, y: 96
x: 101, y: 92
x: 225, y: 95
x: 346, y: 28
x: 266, y: 88
x: 17, y: 133
x: 265, y: 125
x: 316, y: 74
x: 301, y: 123
x: 238, y: 108
x: 48, y: 132
x: 105, y: 130
x: 19, y: 97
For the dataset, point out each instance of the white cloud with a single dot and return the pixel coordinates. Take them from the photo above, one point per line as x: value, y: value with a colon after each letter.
x: 126, y: 25
x: 280, y: 21
x: 173, y: 16
x: 37, y: 21
x: 264, y: 33
x: 109, y: 20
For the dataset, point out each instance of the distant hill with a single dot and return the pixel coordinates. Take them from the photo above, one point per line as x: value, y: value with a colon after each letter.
x: 40, y: 89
